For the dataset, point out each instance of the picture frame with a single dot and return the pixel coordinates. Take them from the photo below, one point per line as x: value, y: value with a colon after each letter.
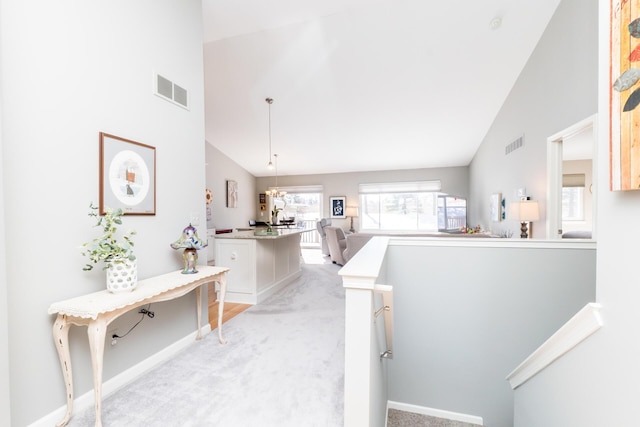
x: 495, y: 207
x: 232, y: 194
x: 624, y: 96
x: 338, y: 207
x: 262, y: 198
x: 127, y: 176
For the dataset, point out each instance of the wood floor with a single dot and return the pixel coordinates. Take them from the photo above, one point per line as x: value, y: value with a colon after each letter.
x: 230, y: 309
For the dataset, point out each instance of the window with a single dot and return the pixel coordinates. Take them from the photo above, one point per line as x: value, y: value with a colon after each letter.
x: 399, y: 206
x: 572, y: 203
x: 573, y: 197
x: 302, y: 206
x: 452, y: 213
x: 302, y: 203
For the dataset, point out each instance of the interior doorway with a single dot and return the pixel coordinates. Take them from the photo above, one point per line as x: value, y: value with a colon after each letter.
x: 571, y: 178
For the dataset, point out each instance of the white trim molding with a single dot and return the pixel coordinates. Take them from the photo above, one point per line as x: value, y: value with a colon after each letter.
x: 582, y: 325
x: 87, y: 400
x: 438, y: 413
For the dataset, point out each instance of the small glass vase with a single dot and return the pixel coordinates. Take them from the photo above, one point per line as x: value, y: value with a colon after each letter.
x: 122, y: 275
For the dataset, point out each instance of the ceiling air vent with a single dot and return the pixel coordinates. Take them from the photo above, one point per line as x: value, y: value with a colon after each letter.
x: 518, y: 143
x: 166, y: 89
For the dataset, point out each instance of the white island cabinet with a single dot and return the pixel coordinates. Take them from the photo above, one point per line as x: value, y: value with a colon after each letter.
x: 259, y: 264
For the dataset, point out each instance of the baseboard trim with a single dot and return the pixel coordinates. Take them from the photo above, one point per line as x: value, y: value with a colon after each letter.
x: 257, y: 298
x: 266, y: 293
x: 86, y: 400
x: 439, y: 413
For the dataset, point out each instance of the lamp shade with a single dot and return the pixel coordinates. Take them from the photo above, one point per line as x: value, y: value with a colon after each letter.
x: 524, y: 210
x: 352, y: 211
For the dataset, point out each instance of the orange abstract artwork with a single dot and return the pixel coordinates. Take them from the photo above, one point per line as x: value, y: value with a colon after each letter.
x: 625, y: 95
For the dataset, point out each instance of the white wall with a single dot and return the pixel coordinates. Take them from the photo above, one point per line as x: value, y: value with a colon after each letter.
x: 221, y: 168
x: 597, y: 383
x: 70, y: 70
x: 5, y: 401
x: 556, y: 89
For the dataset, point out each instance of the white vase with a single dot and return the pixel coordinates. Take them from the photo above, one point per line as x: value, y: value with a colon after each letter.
x: 122, y: 276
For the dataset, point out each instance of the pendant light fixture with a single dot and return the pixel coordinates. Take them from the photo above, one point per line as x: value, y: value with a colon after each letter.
x: 269, y: 101
x: 275, y: 192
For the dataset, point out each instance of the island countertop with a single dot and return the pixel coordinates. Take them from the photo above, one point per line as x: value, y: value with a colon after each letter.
x: 279, y: 233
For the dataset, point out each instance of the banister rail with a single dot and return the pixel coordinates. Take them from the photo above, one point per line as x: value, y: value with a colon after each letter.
x: 386, y: 291
x: 582, y: 325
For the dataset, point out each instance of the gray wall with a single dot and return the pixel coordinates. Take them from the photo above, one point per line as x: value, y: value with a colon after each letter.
x: 5, y: 407
x: 465, y: 317
x: 597, y: 383
x: 556, y: 89
x: 69, y: 71
x: 454, y: 180
x: 221, y: 168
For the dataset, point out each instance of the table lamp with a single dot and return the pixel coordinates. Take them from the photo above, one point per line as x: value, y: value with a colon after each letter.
x: 524, y: 211
x: 351, y: 212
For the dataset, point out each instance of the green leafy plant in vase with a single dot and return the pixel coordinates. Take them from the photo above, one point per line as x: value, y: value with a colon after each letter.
x: 117, y: 254
x: 274, y: 214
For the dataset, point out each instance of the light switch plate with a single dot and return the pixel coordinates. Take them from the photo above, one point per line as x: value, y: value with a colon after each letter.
x: 195, y: 219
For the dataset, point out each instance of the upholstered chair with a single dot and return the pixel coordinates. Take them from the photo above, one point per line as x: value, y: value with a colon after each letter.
x: 355, y: 242
x: 320, y: 225
x: 337, y: 242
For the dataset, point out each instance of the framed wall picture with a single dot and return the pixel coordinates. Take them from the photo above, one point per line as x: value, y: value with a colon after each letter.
x: 127, y: 176
x: 232, y: 194
x: 624, y: 96
x: 495, y: 207
x: 338, y: 207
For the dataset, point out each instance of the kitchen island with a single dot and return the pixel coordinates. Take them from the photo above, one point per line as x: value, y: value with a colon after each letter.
x: 260, y: 263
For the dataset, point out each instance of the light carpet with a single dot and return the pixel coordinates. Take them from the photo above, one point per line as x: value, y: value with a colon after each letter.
x: 399, y: 418
x: 283, y: 365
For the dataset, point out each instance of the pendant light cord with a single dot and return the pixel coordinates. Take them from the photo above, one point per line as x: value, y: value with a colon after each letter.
x: 269, y: 101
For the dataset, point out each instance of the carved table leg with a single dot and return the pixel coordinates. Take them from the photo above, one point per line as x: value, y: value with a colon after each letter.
x: 96, y: 331
x: 61, y: 338
x: 199, y: 310
x: 223, y: 290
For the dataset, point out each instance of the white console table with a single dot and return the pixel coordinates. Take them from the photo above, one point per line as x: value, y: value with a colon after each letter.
x: 99, y: 309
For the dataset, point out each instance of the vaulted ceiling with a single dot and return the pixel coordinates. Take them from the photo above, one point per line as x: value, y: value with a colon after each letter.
x: 361, y: 84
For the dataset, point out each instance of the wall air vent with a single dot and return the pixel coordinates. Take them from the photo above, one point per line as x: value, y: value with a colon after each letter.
x: 166, y: 89
x: 518, y: 143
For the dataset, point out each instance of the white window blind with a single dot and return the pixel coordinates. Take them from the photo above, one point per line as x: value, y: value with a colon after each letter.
x: 573, y: 180
x: 303, y: 189
x: 399, y: 187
